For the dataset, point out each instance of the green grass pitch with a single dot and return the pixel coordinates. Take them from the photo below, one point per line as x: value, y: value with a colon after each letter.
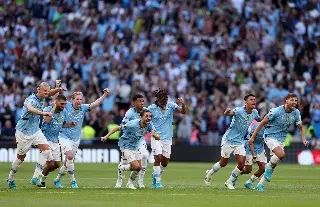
x: 292, y: 185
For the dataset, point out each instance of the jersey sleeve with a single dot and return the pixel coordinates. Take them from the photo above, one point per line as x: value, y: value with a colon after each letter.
x: 272, y: 114
x: 127, y: 126
x: 298, y: 117
x: 126, y: 118
x: 47, y: 109
x: 31, y: 101
x: 85, y: 107
x: 257, y: 116
x: 173, y: 106
x: 151, y: 127
x: 236, y: 111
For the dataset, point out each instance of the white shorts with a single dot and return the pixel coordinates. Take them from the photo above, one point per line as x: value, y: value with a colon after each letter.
x: 68, y: 145
x: 227, y: 149
x: 273, y: 143
x: 56, y: 151
x: 260, y: 158
x: 161, y: 147
x: 142, y: 152
x: 25, y: 142
x: 128, y: 156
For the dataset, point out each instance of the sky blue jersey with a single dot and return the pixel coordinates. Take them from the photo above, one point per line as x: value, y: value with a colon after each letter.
x: 162, y: 120
x: 51, y: 130
x: 279, y: 122
x: 258, y: 142
x: 28, y: 122
x: 72, y: 114
x: 133, y: 135
x: 241, y: 120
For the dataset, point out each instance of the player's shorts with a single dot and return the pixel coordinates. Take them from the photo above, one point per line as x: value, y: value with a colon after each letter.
x: 56, y: 151
x: 272, y: 144
x: 227, y: 149
x: 25, y: 142
x: 142, y: 152
x: 128, y: 156
x: 68, y: 145
x: 161, y: 147
x: 260, y: 158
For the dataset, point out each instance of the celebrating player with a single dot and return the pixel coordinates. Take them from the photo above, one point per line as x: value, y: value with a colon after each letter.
x: 131, y: 114
x: 69, y: 138
x: 162, y: 118
x: 51, y: 127
x: 131, y: 140
x: 254, y: 154
x: 277, y: 122
x: 233, y: 140
x: 28, y: 132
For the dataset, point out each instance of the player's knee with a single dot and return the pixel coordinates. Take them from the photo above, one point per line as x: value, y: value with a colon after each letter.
x: 281, y: 155
x: 51, y: 165
x: 240, y: 166
x: 69, y: 156
x: 43, y: 147
x: 21, y: 157
x: 135, y: 167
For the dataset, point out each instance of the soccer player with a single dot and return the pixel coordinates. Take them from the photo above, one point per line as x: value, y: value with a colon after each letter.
x: 162, y: 118
x: 51, y: 127
x: 254, y: 154
x: 69, y: 138
x: 28, y: 132
x: 233, y: 140
x: 131, y: 114
x: 131, y: 140
x: 277, y: 122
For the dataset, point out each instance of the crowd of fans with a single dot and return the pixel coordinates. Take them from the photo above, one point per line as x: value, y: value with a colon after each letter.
x: 209, y: 52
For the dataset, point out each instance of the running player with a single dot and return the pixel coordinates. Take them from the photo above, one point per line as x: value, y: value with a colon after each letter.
x: 28, y: 132
x: 69, y: 138
x: 277, y: 122
x: 233, y: 140
x: 131, y: 114
x: 131, y: 140
x: 256, y: 154
x: 162, y: 118
x: 51, y: 126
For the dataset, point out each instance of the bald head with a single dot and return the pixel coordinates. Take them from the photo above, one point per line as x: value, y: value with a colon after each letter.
x: 43, y: 90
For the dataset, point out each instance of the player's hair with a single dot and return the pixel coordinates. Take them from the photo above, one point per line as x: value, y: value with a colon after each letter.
x: 290, y: 95
x: 161, y: 96
x: 143, y: 111
x: 75, y: 94
x: 135, y: 97
x: 248, y: 95
x: 61, y: 97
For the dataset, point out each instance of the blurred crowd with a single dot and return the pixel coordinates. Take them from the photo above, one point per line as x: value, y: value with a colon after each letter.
x: 209, y: 52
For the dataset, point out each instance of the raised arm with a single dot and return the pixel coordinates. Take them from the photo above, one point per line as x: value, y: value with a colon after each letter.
x: 97, y: 102
x: 35, y: 111
x: 47, y: 119
x: 57, y: 89
x: 228, y: 112
x: 183, y: 109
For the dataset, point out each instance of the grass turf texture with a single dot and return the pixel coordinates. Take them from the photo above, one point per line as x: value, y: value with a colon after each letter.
x: 291, y: 185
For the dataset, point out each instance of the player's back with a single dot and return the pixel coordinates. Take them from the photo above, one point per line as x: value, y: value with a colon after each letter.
x: 28, y: 122
x: 76, y: 115
x: 279, y: 121
x: 51, y: 130
x: 163, y: 119
x: 241, y: 120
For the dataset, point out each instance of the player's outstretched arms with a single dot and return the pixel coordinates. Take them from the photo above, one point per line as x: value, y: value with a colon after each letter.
x: 155, y: 135
x: 114, y: 130
x: 303, y: 134
x: 97, y: 102
x: 228, y: 112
